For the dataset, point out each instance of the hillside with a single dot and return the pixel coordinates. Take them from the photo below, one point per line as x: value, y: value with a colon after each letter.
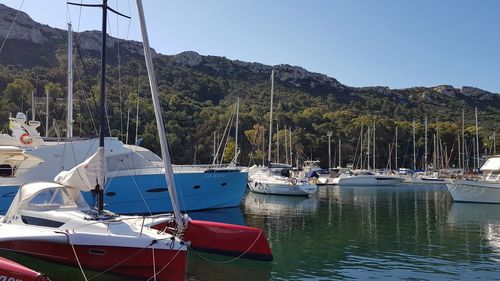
x: 198, y: 92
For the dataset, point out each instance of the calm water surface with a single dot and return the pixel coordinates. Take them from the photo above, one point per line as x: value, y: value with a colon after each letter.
x: 356, y: 233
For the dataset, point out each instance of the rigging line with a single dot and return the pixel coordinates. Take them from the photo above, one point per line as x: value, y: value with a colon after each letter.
x: 79, y: 79
x: 76, y: 256
x: 11, y: 26
x: 119, y: 263
x: 79, y: 16
x: 134, y: 180
x: 163, y: 268
x: 118, y: 54
x: 222, y: 138
x: 68, y: 14
x: 227, y: 138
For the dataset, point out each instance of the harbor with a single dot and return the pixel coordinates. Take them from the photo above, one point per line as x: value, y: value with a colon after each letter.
x: 122, y: 162
x: 381, y: 233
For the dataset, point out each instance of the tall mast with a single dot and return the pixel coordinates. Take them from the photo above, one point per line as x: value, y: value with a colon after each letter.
x: 271, y: 118
x: 102, y: 123
x: 494, y: 143
x: 329, y: 134
x: 291, y: 154
x: 286, y: 145
x: 368, y: 138
x: 463, y: 140
x: 340, y: 150
x: 396, y: 150
x: 47, y: 113
x: 33, y: 103
x: 477, y: 140
x: 414, y: 149
x: 277, y: 143
x: 137, y: 119
x: 167, y: 161
x: 69, y: 127
x: 236, y: 130
x: 374, y: 157
x: 425, y: 154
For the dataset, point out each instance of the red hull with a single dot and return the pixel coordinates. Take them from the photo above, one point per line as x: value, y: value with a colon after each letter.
x: 226, y: 239
x: 10, y: 270
x: 131, y: 262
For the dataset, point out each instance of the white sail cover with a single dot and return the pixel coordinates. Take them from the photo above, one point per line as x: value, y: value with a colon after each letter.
x: 86, y: 175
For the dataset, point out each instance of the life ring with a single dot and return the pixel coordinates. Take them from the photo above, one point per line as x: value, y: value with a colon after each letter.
x: 294, y: 181
x: 25, y: 139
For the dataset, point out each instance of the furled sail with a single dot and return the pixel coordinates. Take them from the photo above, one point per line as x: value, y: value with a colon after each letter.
x: 86, y: 175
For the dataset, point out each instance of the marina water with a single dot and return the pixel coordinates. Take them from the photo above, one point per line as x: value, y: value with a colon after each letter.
x: 407, y: 232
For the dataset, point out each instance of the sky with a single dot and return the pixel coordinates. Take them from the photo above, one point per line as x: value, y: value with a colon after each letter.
x: 394, y: 43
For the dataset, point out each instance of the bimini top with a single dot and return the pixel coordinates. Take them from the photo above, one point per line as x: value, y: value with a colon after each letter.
x: 45, y: 196
x: 492, y: 164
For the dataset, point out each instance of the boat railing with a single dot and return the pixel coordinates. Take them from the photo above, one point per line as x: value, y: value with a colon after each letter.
x: 202, y: 167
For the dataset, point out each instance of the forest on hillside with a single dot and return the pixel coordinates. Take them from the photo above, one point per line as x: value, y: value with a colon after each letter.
x: 198, y: 103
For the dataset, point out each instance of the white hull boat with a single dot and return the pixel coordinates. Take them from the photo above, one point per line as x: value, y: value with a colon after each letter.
x: 483, y: 190
x: 474, y: 191
x: 365, y: 179
x: 281, y: 186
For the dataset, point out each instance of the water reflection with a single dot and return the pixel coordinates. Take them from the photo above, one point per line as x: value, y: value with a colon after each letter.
x: 276, y: 205
x: 482, y: 220
x: 225, y: 215
x: 389, y: 233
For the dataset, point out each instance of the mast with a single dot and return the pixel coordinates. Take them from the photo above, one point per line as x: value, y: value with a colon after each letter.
x: 277, y: 143
x: 368, y: 138
x: 271, y: 118
x: 102, y: 128
x: 69, y: 131
x: 215, y: 145
x: 463, y: 140
x: 236, y: 130
x: 414, y: 149
x: 374, y: 157
x: 47, y: 113
x: 329, y: 134
x: 33, y: 105
x: 396, y: 150
x: 169, y: 175
x: 128, y: 124
x: 494, y: 143
x: 477, y: 141
x: 263, y: 145
x: 286, y: 145
x: 137, y: 120
x: 340, y: 150
x: 291, y: 155
x: 425, y: 154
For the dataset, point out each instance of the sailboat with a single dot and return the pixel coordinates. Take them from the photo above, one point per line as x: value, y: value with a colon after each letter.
x: 276, y: 179
x: 52, y: 221
x: 365, y: 177
x: 136, y: 183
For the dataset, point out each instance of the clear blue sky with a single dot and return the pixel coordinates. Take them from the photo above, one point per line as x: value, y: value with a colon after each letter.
x: 395, y: 43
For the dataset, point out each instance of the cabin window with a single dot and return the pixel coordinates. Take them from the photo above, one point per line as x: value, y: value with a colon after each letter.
x: 6, y: 170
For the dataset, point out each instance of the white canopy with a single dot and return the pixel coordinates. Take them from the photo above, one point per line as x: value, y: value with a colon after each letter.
x: 42, y: 196
x: 86, y: 175
x: 492, y: 164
